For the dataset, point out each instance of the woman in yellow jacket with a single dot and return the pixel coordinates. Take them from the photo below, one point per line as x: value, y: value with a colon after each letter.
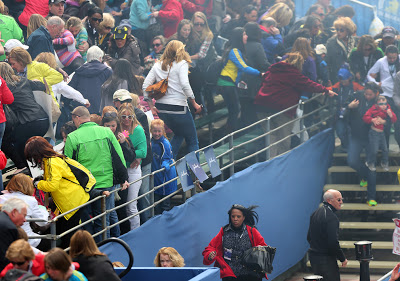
x: 59, y: 181
x: 22, y: 63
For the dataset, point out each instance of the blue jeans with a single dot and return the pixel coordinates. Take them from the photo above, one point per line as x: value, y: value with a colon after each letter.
x: 342, y: 132
x: 2, y: 129
x: 96, y: 210
x: 356, y: 146
x: 377, y: 140
x: 183, y: 127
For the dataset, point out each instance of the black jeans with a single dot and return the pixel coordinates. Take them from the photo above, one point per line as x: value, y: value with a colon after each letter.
x: 231, y: 99
x: 326, y: 266
x: 63, y: 225
x: 121, y: 212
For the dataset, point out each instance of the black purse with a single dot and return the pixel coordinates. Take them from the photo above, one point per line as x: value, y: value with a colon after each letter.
x: 11, y: 118
x: 259, y: 258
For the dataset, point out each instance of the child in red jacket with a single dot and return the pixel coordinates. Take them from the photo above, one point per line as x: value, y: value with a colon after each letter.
x: 376, y: 116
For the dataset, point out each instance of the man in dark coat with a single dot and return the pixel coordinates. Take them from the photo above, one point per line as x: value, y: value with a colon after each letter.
x: 323, y: 235
x: 12, y: 214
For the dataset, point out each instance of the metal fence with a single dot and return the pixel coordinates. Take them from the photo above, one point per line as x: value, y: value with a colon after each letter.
x: 227, y: 146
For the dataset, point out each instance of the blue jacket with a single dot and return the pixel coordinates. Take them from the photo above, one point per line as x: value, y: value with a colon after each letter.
x: 162, y: 158
x: 88, y: 80
x: 272, y: 45
x: 40, y: 41
x: 139, y: 16
x: 236, y: 66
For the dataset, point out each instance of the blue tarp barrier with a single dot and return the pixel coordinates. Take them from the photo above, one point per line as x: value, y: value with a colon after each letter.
x: 287, y: 190
x: 388, y: 12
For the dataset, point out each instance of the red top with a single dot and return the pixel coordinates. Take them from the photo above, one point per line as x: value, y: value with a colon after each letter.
x: 193, y: 6
x: 216, y: 245
x: 37, y: 266
x: 282, y: 86
x: 3, y: 160
x: 376, y: 111
x: 171, y: 14
x: 6, y: 97
x: 40, y: 7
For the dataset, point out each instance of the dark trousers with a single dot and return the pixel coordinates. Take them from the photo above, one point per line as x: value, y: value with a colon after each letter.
x: 377, y: 140
x: 163, y: 206
x: 242, y: 278
x: 396, y: 125
x: 121, y: 212
x: 63, y: 225
x: 326, y: 266
x: 231, y: 99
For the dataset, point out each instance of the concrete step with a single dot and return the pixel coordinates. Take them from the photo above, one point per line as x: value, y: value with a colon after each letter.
x: 356, y: 187
x: 367, y: 225
x: 347, y: 169
x: 365, y: 207
x: 387, y: 265
x: 381, y: 245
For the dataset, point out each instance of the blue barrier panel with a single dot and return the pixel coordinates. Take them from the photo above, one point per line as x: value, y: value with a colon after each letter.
x: 287, y: 190
x: 171, y: 274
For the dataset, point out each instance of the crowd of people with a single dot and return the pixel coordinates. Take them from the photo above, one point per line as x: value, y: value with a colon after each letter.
x: 95, y: 59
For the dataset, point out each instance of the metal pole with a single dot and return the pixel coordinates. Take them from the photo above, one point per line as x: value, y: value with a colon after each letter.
x: 268, y: 139
x: 301, y: 107
x: 53, y: 242
x: 104, y: 217
x: 151, y: 182
x: 364, y: 270
x: 221, y: 162
x: 231, y: 156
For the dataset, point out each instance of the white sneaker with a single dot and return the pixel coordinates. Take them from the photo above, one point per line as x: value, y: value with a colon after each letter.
x: 385, y: 167
x: 371, y: 166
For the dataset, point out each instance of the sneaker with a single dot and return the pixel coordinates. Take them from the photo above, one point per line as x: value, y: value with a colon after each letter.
x: 363, y: 183
x: 371, y: 167
x: 372, y: 203
x: 385, y: 167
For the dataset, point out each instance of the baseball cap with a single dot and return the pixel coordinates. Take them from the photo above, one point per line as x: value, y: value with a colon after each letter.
x: 12, y: 43
x: 125, y: 23
x: 320, y: 49
x: 388, y: 31
x: 120, y: 32
x: 122, y: 95
x: 344, y: 74
x: 56, y: 1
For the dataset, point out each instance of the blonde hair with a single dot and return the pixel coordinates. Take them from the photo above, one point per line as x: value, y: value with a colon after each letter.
x: 135, y: 100
x: 281, y: 13
x: 206, y: 33
x: 302, y: 45
x: 20, y: 249
x: 1, y: 7
x: 20, y: 55
x: 173, y: 254
x: 82, y: 243
x: 158, y: 123
x: 47, y: 58
x: 347, y: 23
x: 175, y: 51
x: 73, y: 22
x: 129, y: 108
x: 21, y: 183
x: 295, y: 59
x: 95, y: 118
x: 108, y: 20
x: 8, y: 74
x: 35, y: 21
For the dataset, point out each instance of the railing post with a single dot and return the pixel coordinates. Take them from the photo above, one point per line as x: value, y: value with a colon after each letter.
x: 231, y: 156
x: 221, y: 162
x: 104, y: 217
x: 267, y: 139
x: 53, y: 242
x: 301, y: 107
x: 151, y: 182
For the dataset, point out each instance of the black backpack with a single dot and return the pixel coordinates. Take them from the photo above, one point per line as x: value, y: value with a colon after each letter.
x: 20, y: 275
x: 213, y: 71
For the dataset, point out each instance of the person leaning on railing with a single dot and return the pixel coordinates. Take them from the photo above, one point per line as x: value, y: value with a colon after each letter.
x: 281, y: 88
x: 59, y: 180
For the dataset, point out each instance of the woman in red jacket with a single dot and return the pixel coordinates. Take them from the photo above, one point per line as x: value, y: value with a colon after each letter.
x: 171, y: 14
x: 281, y: 88
x: 226, y: 249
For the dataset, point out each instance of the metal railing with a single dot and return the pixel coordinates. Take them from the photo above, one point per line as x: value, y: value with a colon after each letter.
x: 227, y: 143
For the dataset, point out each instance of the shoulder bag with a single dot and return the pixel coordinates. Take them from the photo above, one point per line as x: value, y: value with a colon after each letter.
x: 159, y: 89
x: 55, y: 109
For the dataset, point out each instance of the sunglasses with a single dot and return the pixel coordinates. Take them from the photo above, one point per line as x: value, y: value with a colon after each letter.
x: 110, y: 114
x: 382, y: 103
x: 130, y: 117
x: 156, y: 45
x: 18, y: 263
x: 108, y: 27
x: 96, y: 19
x: 199, y: 24
x: 340, y: 29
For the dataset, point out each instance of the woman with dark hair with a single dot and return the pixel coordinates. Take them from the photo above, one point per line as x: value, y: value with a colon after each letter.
x: 230, y: 77
x: 183, y: 32
x: 257, y: 59
x: 364, y: 57
x: 94, y: 18
x: 227, y: 248
x: 123, y: 77
x: 310, y: 30
x: 249, y: 13
x: 343, y: 11
x: 94, y: 264
x: 59, y: 181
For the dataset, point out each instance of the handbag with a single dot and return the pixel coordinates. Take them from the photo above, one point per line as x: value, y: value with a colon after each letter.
x: 259, y: 258
x: 159, y: 89
x: 11, y: 117
x: 55, y: 109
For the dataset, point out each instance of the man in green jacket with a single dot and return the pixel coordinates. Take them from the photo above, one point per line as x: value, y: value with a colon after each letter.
x: 9, y: 29
x: 97, y: 149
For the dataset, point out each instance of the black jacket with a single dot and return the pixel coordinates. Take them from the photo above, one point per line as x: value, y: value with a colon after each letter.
x: 25, y: 106
x: 357, y: 63
x: 130, y: 51
x: 8, y: 234
x: 96, y: 268
x: 323, y: 233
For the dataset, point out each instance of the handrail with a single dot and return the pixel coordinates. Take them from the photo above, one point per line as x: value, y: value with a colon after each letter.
x: 228, y: 139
